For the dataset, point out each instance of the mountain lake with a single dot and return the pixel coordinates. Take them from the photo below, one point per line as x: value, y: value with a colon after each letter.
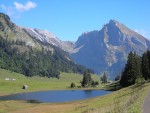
x: 56, y: 96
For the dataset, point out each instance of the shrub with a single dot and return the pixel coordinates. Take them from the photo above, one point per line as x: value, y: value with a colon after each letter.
x: 72, y: 85
x: 96, y: 83
x: 139, y: 81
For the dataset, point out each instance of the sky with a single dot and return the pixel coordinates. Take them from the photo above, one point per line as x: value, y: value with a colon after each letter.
x: 68, y: 19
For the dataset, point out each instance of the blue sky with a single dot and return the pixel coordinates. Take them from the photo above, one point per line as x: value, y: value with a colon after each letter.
x: 68, y: 19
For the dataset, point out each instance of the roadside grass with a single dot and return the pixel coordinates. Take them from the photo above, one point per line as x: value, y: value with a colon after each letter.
x: 125, y: 100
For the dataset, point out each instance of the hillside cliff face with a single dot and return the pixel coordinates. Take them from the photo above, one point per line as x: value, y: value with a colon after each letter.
x: 107, y: 49
x: 47, y: 37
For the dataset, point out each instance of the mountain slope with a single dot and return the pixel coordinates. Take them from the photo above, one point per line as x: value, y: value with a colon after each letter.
x: 103, y: 50
x: 47, y: 37
x: 107, y: 49
x: 20, y: 52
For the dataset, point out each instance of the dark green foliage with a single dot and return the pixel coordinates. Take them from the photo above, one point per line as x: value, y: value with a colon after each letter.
x: 87, y: 80
x: 139, y: 81
x: 145, y: 65
x: 31, y: 63
x: 136, y: 70
x: 118, y: 77
x: 94, y: 83
x: 72, y: 85
x: 104, y: 78
x: 132, y: 70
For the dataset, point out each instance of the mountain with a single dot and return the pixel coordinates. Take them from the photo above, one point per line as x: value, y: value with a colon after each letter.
x: 48, y: 37
x: 33, y: 51
x: 106, y: 50
x: 10, y: 31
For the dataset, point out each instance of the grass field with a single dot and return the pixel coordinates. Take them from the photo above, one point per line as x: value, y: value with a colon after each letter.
x: 125, y: 100
x: 37, y: 83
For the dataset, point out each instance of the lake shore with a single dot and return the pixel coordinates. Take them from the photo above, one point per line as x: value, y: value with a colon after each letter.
x: 39, y: 83
x: 129, y: 99
x: 115, y: 101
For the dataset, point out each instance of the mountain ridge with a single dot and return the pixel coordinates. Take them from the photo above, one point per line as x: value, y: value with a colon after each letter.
x: 106, y: 50
x: 103, y: 50
x: 47, y: 37
x: 28, y: 55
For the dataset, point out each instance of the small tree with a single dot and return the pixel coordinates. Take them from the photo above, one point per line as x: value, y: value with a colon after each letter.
x: 87, y: 80
x: 96, y: 83
x: 104, y: 78
x: 72, y: 85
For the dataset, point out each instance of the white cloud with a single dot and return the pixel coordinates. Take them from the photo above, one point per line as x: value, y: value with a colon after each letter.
x: 20, y: 7
x: 17, y: 9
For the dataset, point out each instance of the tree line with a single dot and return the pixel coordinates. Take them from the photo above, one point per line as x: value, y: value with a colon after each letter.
x: 34, y: 62
x: 136, y: 70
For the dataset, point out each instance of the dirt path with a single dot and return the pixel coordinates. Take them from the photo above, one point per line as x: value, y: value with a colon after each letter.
x: 146, y: 105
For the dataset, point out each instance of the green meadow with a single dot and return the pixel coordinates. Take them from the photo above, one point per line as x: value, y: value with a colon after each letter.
x: 125, y: 100
x: 37, y: 83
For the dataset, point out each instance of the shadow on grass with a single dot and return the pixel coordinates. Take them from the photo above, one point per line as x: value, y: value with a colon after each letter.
x: 33, y: 101
x: 113, y: 86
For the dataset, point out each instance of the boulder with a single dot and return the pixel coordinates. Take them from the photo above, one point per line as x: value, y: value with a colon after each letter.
x: 25, y: 87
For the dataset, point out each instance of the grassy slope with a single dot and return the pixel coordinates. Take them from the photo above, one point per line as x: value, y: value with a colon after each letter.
x: 128, y: 99
x: 37, y: 83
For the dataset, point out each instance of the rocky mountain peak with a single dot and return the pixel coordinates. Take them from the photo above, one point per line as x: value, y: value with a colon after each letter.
x: 113, y: 22
x: 106, y: 50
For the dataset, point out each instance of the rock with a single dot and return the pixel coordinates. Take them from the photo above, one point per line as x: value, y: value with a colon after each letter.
x: 25, y: 87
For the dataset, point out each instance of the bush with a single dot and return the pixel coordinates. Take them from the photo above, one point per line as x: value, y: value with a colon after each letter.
x: 93, y: 83
x: 139, y: 81
x: 72, y: 85
x: 96, y: 83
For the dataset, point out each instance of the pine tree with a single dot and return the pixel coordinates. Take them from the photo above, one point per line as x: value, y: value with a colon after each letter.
x: 87, y: 80
x: 132, y: 70
x: 145, y: 65
x: 148, y: 54
x: 104, y: 78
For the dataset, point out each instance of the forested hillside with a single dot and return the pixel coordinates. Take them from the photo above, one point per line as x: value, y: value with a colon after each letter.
x: 17, y: 57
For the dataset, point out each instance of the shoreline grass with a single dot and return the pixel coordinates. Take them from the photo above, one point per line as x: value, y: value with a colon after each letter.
x: 125, y: 100
x: 37, y: 83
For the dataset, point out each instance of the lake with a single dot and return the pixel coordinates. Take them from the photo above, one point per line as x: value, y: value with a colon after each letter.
x: 55, y: 96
